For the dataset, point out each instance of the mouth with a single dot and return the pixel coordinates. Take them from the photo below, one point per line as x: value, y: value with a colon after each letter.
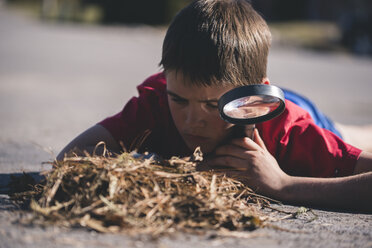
x: 195, y: 139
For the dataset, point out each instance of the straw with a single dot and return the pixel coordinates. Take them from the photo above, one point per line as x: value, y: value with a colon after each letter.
x: 143, y: 196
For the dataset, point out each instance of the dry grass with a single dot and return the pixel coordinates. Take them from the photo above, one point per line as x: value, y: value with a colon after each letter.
x: 142, y: 196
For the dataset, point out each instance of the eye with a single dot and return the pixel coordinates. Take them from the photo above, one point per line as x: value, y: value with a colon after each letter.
x: 179, y: 100
x: 212, y: 105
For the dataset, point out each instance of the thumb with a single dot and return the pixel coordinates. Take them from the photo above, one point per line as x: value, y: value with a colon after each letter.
x: 249, y: 131
x: 257, y: 138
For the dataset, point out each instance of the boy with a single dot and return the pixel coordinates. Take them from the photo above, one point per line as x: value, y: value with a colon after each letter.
x: 210, y: 48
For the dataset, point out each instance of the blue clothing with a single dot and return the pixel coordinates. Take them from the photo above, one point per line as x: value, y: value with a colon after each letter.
x: 319, y: 118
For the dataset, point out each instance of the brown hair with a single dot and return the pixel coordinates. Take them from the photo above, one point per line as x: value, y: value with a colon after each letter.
x: 218, y: 41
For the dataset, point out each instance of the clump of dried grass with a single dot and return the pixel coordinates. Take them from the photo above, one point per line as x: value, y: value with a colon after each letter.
x: 134, y: 195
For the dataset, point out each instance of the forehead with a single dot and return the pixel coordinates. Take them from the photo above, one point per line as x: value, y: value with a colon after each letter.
x: 179, y: 84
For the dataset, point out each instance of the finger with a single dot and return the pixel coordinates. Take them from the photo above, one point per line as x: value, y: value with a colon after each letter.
x: 248, y: 130
x: 237, y: 175
x: 227, y: 163
x: 257, y: 138
x: 206, y: 165
x: 233, y: 151
x: 246, y: 143
x: 215, y: 168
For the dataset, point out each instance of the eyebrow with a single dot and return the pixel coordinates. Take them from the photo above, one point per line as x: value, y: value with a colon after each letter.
x: 174, y: 94
x: 203, y: 101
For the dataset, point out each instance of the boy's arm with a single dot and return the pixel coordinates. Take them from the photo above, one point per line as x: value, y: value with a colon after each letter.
x: 364, y: 163
x: 88, y: 140
x: 250, y: 162
x: 352, y: 192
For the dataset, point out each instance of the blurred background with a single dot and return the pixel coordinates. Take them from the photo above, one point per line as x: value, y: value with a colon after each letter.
x: 327, y: 25
x: 67, y: 64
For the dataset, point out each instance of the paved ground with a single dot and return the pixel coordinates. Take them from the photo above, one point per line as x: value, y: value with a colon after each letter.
x: 57, y: 80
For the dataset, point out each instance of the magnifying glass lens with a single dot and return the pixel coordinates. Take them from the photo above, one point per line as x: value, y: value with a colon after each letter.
x: 251, y: 106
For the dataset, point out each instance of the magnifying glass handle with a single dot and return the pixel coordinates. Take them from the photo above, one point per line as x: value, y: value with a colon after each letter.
x: 243, y: 131
x: 249, y: 131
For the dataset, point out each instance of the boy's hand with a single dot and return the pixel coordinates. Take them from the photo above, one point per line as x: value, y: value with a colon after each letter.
x: 250, y: 162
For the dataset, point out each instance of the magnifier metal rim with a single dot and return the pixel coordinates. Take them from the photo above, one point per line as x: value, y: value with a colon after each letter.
x: 251, y: 90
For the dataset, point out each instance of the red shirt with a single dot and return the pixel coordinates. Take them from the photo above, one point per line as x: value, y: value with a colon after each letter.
x: 299, y: 145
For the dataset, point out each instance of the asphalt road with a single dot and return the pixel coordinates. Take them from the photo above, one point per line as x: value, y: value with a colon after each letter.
x: 56, y: 80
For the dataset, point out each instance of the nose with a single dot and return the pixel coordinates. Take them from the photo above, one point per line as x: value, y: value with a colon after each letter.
x: 195, y: 117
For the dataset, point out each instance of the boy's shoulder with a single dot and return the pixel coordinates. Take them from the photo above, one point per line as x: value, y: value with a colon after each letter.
x: 153, y: 91
x: 274, y: 130
x: 155, y: 82
x: 292, y: 114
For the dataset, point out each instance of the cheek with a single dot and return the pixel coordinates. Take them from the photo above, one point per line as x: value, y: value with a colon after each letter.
x: 177, y: 115
x: 219, y: 127
x: 215, y: 121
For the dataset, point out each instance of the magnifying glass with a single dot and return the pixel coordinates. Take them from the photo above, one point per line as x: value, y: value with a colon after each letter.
x: 251, y: 104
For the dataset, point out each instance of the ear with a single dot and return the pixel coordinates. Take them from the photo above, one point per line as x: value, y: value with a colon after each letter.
x: 265, y: 80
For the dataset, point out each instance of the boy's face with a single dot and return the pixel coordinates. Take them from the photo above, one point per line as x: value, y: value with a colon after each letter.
x: 195, y: 112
